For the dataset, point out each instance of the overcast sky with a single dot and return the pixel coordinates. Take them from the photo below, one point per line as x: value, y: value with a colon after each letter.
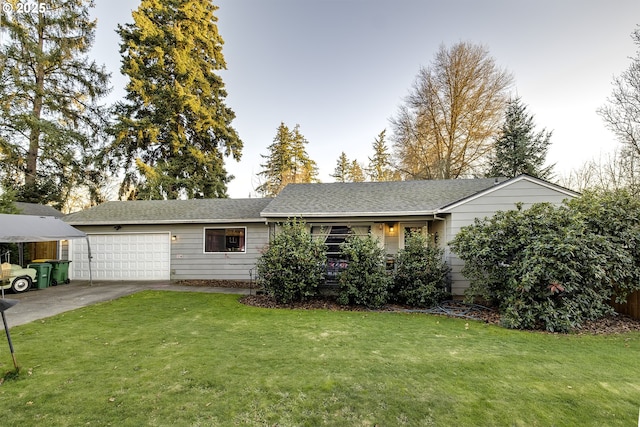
x: 341, y: 68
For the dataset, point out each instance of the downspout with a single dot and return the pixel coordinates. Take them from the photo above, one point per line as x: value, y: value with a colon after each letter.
x: 447, y: 257
x: 435, y: 218
x: 90, y: 258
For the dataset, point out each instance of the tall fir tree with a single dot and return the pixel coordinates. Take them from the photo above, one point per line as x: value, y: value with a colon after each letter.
x: 341, y: 172
x: 380, y: 168
x: 276, y: 170
x: 287, y: 162
x: 356, y: 172
x: 174, y: 130
x: 50, y: 117
x: 304, y: 170
x: 519, y: 148
x: 348, y: 170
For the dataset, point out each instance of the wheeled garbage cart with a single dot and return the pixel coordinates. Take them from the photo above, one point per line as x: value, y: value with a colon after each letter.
x: 59, y: 272
x: 43, y: 273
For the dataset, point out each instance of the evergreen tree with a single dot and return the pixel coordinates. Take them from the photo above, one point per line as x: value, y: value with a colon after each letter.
x: 356, y: 172
x: 304, y: 169
x: 174, y: 129
x: 519, y: 148
x: 341, y: 172
x: 50, y: 119
x: 348, y: 170
x: 7, y: 205
x: 278, y: 164
x: 287, y: 162
x: 380, y: 168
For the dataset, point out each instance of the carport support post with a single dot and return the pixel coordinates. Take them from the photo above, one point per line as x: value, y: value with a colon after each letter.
x: 5, y: 304
x: 6, y: 329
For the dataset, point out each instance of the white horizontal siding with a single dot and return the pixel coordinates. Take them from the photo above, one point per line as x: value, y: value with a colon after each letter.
x: 187, y: 258
x: 189, y: 261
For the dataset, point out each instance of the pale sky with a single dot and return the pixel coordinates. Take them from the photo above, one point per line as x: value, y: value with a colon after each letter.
x: 341, y: 68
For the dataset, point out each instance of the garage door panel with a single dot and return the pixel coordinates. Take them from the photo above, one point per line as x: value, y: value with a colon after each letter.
x: 136, y: 256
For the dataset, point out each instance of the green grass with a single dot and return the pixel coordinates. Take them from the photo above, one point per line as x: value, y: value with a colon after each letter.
x: 190, y: 359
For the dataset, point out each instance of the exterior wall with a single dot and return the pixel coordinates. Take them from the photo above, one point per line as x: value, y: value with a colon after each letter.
x: 503, y: 199
x: 391, y: 238
x: 188, y: 259
x: 378, y: 231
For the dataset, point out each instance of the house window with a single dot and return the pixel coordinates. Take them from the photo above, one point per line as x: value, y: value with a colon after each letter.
x: 409, y: 230
x: 334, y: 236
x: 224, y: 239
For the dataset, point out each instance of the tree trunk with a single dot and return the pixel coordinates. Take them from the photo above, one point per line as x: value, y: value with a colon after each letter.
x: 34, y: 134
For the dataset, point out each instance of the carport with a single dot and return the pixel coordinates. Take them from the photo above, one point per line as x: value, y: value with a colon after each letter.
x: 32, y: 228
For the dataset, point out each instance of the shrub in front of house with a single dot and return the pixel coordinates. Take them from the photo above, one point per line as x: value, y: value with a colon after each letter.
x: 544, y: 267
x: 422, y: 277
x: 365, y: 281
x: 615, y: 215
x: 293, y: 265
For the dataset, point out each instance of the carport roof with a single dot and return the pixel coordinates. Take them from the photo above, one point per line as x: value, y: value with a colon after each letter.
x: 171, y: 211
x: 32, y: 228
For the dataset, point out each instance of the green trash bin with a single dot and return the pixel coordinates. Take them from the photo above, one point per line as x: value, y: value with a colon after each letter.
x: 59, y: 272
x: 43, y: 273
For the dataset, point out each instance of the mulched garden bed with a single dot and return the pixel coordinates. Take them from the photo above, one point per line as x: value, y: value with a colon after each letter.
x: 609, y: 325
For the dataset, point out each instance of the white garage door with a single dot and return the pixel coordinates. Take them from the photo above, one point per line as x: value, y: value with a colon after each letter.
x: 135, y: 256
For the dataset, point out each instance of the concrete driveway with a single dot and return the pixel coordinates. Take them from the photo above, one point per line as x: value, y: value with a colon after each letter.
x: 41, y: 303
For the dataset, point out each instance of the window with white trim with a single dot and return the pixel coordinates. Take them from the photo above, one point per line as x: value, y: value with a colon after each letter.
x: 412, y: 228
x: 224, y: 239
x: 334, y: 235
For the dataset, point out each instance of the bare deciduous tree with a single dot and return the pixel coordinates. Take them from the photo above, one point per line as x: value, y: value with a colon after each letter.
x: 621, y: 113
x: 446, y: 125
x: 620, y: 169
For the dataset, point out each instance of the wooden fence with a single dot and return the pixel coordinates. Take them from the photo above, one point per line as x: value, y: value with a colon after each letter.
x: 631, y: 307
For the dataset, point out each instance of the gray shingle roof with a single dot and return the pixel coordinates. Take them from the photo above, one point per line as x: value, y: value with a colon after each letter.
x: 171, y: 211
x: 38, y: 210
x: 373, y: 198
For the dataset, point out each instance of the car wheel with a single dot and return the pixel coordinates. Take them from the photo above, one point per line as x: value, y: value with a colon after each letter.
x: 21, y: 284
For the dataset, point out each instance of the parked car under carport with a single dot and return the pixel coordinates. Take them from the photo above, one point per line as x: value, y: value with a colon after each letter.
x: 16, y: 278
x: 30, y: 228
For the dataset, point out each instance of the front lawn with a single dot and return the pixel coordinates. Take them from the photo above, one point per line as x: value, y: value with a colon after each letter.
x: 161, y: 358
